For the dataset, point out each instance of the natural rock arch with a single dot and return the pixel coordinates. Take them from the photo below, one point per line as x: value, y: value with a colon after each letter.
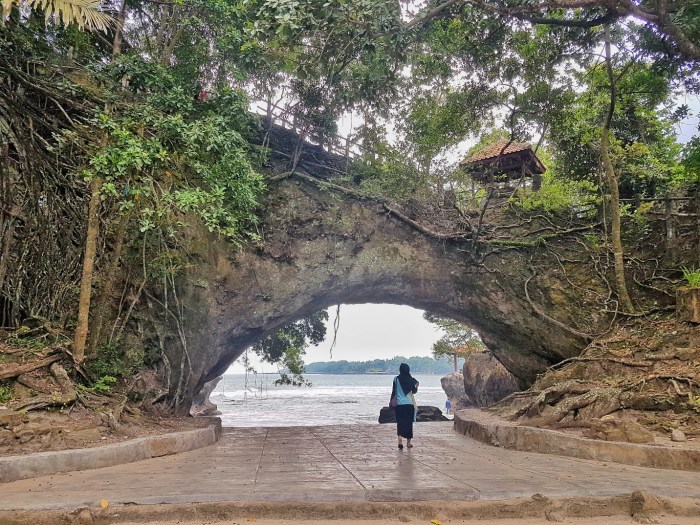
x: 322, y: 248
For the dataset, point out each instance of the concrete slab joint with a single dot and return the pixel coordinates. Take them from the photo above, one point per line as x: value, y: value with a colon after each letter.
x: 13, y: 468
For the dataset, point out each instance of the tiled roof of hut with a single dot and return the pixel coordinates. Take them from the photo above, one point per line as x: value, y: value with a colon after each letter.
x: 503, y: 158
x: 502, y: 147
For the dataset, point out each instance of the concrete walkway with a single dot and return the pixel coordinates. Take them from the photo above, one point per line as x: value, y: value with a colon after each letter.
x: 343, y: 463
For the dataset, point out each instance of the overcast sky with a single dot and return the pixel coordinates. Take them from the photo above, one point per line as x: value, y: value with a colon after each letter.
x: 689, y: 128
x: 369, y: 331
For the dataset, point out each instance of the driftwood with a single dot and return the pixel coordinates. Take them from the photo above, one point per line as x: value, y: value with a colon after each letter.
x: 10, y: 372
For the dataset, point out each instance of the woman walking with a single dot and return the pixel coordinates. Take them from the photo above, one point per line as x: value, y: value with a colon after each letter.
x: 404, y: 388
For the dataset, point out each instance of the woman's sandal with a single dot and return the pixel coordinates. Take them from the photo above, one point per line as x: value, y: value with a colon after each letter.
x: 409, y: 446
x: 400, y: 446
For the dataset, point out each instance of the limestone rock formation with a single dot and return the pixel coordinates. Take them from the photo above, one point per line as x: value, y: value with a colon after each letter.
x: 425, y: 413
x: 619, y: 430
x: 201, y: 406
x: 688, y: 304
x: 326, y: 245
x: 453, y: 386
x: 462, y: 402
x: 486, y: 380
x: 678, y: 436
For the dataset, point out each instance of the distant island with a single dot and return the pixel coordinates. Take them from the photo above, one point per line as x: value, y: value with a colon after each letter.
x: 419, y: 365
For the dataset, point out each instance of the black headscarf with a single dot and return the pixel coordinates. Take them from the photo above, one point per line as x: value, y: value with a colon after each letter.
x: 408, y: 384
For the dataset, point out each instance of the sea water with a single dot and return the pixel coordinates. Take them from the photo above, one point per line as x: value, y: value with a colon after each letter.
x: 254, y: 400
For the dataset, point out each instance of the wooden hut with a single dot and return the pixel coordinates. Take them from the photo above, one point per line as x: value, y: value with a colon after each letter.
x: 503, y: 161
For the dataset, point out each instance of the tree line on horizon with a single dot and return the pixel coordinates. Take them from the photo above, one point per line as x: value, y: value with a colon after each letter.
x: 418, y: 365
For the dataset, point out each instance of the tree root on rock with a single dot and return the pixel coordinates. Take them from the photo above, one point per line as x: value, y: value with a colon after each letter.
x: 67, y: 396
x: 14, y: 371
x: 597, y: 402
x: 551, y: 396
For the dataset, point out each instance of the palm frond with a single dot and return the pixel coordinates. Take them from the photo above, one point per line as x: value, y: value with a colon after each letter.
x: 6, y: 8
x: 86, y: 14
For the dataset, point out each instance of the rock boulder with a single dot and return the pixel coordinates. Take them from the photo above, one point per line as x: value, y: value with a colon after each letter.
x: 619, y: 430
x: 453, y: 385
x: 425, y: 413
x: 486, y: 380
x: 201, y: 406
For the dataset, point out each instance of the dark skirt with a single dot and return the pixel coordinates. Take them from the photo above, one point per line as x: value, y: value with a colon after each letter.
x: 404, y: 421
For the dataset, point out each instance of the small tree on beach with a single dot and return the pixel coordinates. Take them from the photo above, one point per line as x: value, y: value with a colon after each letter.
x: 459, y: 340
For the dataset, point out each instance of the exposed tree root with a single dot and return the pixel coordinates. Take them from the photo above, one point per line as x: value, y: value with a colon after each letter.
x: 8, y: 372
x: 632, y: 373
x: 66, y: 396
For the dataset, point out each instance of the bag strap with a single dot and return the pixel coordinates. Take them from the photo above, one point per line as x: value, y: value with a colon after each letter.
x: 398, y: 386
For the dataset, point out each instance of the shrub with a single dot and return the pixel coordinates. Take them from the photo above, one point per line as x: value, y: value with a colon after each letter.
x: 5, y: 393
x: 692, y: 275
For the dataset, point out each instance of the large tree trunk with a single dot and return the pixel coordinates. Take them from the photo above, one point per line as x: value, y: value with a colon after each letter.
x: 613, y: 187
x: 110, y: 278
x: 7, y: 214
x: 172, y: 35
x: 81, y: 330
x: 119, y: 33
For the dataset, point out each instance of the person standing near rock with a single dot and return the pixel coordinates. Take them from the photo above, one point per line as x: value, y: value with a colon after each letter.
x: 404, y: 387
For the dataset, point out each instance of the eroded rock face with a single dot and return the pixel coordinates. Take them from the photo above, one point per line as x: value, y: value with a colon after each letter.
x: 201, y: 405
x: 486, y: 380
x: 453, y: 385
x: 688, y: 304
x: 462, y: 402
x: 619, y: 430
x: 323, y: 248
x: 321, y: 251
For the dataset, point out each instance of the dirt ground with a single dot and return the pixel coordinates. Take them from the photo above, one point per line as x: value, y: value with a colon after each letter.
x: 626, y: 509
x: 47, y: 430
x: 665, y: 520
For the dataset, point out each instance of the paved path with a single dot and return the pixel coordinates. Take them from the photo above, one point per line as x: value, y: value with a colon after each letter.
x: 343, y: 463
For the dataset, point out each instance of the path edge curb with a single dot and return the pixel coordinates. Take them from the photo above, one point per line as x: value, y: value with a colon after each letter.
x: 14, y: 468
x: 544, y: 441
x: 639, y: 505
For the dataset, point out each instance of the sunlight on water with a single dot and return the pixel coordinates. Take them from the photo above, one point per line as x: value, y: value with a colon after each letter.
x: 331, y: 400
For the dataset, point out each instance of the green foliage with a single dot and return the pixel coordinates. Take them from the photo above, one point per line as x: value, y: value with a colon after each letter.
x: 388, y: 176
x: 112, y: 360
x: 458, y: 339
x: 558, y: 195
x: 104, y: 384
x: 28, y: 342
x: 643, y: 148
x: 85, y: 14
x: 287, y: 346
x: 694, y: 404
x: 638, y: 226
x: 692, y: 275
x: 329, y: 49
x: 5, y: 393
x: 418, y: 365
x: 594, y: 240
x: 691, y: 162
x: 168, y: 156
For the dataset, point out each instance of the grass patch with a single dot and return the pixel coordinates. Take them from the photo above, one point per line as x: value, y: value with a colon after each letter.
x: 692, y: 275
